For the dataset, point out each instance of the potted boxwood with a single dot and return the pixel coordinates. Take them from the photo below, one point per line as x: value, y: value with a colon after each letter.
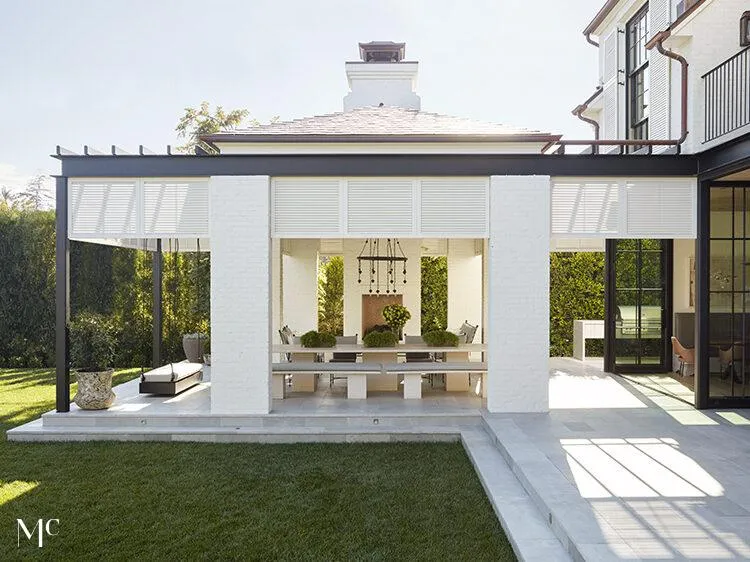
x: 92, y: 354
x: 440, y: 338
x: 397, y: 316
x: 380, y: 339
x: 194, y: 345
x: 317, y: 339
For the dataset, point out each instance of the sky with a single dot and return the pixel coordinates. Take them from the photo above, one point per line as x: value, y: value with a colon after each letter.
x: 104, y: 72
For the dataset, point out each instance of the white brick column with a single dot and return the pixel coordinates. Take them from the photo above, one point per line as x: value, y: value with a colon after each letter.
x: 240, y: 294
x: 518, y: 294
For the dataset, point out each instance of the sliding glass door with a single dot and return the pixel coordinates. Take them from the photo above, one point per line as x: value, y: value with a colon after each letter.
x: 639, y: 306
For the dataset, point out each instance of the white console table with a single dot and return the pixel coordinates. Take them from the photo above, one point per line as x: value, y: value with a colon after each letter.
x: 583, y: 330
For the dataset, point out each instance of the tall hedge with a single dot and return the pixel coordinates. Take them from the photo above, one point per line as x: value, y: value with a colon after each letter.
x: 576, y: 293
x: 115, y: 282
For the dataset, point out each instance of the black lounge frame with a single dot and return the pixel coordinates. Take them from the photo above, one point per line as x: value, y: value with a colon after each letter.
x: 169, y: 388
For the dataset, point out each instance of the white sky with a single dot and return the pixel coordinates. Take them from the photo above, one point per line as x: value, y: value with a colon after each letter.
x: 103, y: 72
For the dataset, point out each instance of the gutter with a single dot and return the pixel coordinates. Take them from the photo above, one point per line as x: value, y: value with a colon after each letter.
x: 578, y: 112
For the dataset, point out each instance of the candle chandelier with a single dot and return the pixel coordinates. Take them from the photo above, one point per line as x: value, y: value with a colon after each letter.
x: 376, y: 255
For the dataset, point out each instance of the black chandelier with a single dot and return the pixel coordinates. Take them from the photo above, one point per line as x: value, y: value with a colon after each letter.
x: 392, y: 258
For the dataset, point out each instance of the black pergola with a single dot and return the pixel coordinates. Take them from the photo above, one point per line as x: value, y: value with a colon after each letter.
x: 706, y: 166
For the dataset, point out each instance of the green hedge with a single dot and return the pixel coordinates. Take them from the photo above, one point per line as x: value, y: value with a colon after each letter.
x: 576, y: 293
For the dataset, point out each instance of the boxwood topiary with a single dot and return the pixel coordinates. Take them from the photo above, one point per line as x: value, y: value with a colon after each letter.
x: 441, y: 338
x: 380, y: 339
x: 317, y: 339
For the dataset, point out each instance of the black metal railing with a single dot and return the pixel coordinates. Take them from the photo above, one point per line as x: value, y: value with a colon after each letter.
x: 727, y: 96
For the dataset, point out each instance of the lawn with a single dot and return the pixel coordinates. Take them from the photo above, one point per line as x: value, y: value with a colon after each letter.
x: 146, y: 501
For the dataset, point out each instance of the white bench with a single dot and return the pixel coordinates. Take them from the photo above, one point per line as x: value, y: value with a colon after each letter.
x: 583, y: 330
x: 413, y: 372
x: 356, y: 375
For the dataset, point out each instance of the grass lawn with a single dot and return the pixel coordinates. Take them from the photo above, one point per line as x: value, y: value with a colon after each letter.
x: 147, y: 501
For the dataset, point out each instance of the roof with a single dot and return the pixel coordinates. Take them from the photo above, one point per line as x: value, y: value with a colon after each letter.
x: 600, y: 16
x: 381, y: 124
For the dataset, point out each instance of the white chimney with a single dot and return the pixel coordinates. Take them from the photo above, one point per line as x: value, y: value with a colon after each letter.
x: 382, y: 77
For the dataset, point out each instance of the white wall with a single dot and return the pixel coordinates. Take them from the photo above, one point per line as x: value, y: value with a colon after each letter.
x: 375, y: 84
x: 240, y: 294
x: 300, y: 311
x: 518, y: 287
x: 353, y: 291
x: 683, y: 251
x: 465, y: 285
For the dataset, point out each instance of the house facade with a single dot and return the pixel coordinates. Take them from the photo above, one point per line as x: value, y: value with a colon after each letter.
x: 494, y: 199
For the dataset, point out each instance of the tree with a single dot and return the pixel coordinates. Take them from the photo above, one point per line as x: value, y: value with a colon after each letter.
x: 7, y: 199
x: 201, y: 121
x: 331, y: 296
x: 36, y: 195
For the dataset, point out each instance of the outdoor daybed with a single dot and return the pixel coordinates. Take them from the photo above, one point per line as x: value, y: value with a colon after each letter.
x: 171, y: 379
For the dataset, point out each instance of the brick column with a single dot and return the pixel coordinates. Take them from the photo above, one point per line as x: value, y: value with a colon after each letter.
x: 518, y: 294
x: 240, y: 294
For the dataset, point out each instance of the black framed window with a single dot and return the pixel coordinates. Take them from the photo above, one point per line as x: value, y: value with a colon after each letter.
x: 637, y: 75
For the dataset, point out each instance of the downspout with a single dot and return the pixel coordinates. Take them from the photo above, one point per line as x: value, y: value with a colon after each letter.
x: 656, y: 41
x: 578, y: 112
x: 587, y: 35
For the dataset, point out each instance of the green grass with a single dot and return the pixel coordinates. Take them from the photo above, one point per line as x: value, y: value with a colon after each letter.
x: 148, y: 501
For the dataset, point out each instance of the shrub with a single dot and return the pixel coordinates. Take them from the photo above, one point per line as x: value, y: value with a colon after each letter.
x: 92, y: 343
x: 441, y: 338
x: 397, y: 316
x: 378, y: 328
x: 317, y: 339
x: 380, y: 339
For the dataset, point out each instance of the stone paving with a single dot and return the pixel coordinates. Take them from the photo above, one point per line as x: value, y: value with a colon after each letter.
x: 624, y: 472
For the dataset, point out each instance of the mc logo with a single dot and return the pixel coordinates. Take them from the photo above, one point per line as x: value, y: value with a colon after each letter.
x: 40, y: 529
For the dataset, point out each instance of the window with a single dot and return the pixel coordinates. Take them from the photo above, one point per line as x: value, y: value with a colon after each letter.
x: 637, y: 78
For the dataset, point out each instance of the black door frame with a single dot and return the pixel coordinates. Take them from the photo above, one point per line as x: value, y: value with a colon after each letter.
x: 610, y: 291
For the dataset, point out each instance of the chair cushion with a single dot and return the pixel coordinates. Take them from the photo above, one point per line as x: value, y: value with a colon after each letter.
x: 166, y: 372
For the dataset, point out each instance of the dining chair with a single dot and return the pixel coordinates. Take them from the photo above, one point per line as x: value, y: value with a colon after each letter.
x: 343, y: 357
x: 685, y: 355
x: 727, y: 359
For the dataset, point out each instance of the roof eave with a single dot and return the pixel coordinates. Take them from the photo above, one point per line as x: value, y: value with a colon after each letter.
x: 600, y: 16
x: 292, y: 138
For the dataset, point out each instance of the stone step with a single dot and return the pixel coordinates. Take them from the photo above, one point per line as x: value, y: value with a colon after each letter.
x: 529, y: 533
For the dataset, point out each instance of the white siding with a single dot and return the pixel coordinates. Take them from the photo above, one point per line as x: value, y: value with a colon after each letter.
x: 661, y: 208
x: 659, y: 67
x: 380, y: 206
x: 103, y: 208
x: 610, y: 82
x: 459, y: 206
x: 584, y: 206
x: 175, y: 207
x: 307, y: 205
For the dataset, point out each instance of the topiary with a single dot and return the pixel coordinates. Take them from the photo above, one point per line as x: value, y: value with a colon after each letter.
x: 440, y: 338
x: 317, y: 339
x: 380, y: 339
x: 397, y: 316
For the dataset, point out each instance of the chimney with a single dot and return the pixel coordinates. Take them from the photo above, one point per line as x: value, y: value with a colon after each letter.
x: 382, y: 77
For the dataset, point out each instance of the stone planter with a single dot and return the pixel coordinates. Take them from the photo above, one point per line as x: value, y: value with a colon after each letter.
x: 94, y: 390
x: 193, y: 347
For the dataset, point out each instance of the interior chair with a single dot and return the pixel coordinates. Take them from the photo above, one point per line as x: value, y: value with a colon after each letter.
x: 727, y: 360
x: 419, y: 356
x: 469, y: 331
x: 685, y: 355
x: 339, y: 357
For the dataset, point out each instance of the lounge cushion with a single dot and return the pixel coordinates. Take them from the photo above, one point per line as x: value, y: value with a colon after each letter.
x: 172, y: 372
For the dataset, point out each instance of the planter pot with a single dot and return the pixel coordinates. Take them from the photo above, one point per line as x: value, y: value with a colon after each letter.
x: 94, y: 390
x: 193, y: 348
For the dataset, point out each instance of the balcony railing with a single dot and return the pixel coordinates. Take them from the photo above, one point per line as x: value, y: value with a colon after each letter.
x: 727, y: 96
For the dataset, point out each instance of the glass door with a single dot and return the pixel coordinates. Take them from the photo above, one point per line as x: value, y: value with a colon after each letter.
x: 639, y: 311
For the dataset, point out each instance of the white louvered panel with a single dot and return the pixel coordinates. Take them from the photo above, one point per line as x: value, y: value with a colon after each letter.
x: 658, y: 109
x: 454, y: 207
x: 177, y: 207
x: 661, y: 208
x: 610, y: 51
x: 380, y: 206
x: 584, y: 207
x: 306, y: 207
x: 102, y: 207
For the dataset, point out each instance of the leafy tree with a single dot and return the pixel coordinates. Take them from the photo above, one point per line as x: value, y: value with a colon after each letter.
x: 331, y: 296
x: 36, y: 195
x: 202, y: 121
x: 7, y: 199
x: 434, y: 293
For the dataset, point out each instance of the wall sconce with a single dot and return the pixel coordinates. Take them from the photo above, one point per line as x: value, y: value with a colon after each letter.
x: 745, y: 30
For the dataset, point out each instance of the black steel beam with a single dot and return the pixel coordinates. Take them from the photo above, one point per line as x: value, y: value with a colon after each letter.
x: 380, y: 165
x: 733, y: 156
x: 62, y: 296
x: 156, y: 328
x: 702, y: 347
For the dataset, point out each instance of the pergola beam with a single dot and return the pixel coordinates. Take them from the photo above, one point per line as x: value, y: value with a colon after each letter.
x: 630, y: 165
x: 157, y: 322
